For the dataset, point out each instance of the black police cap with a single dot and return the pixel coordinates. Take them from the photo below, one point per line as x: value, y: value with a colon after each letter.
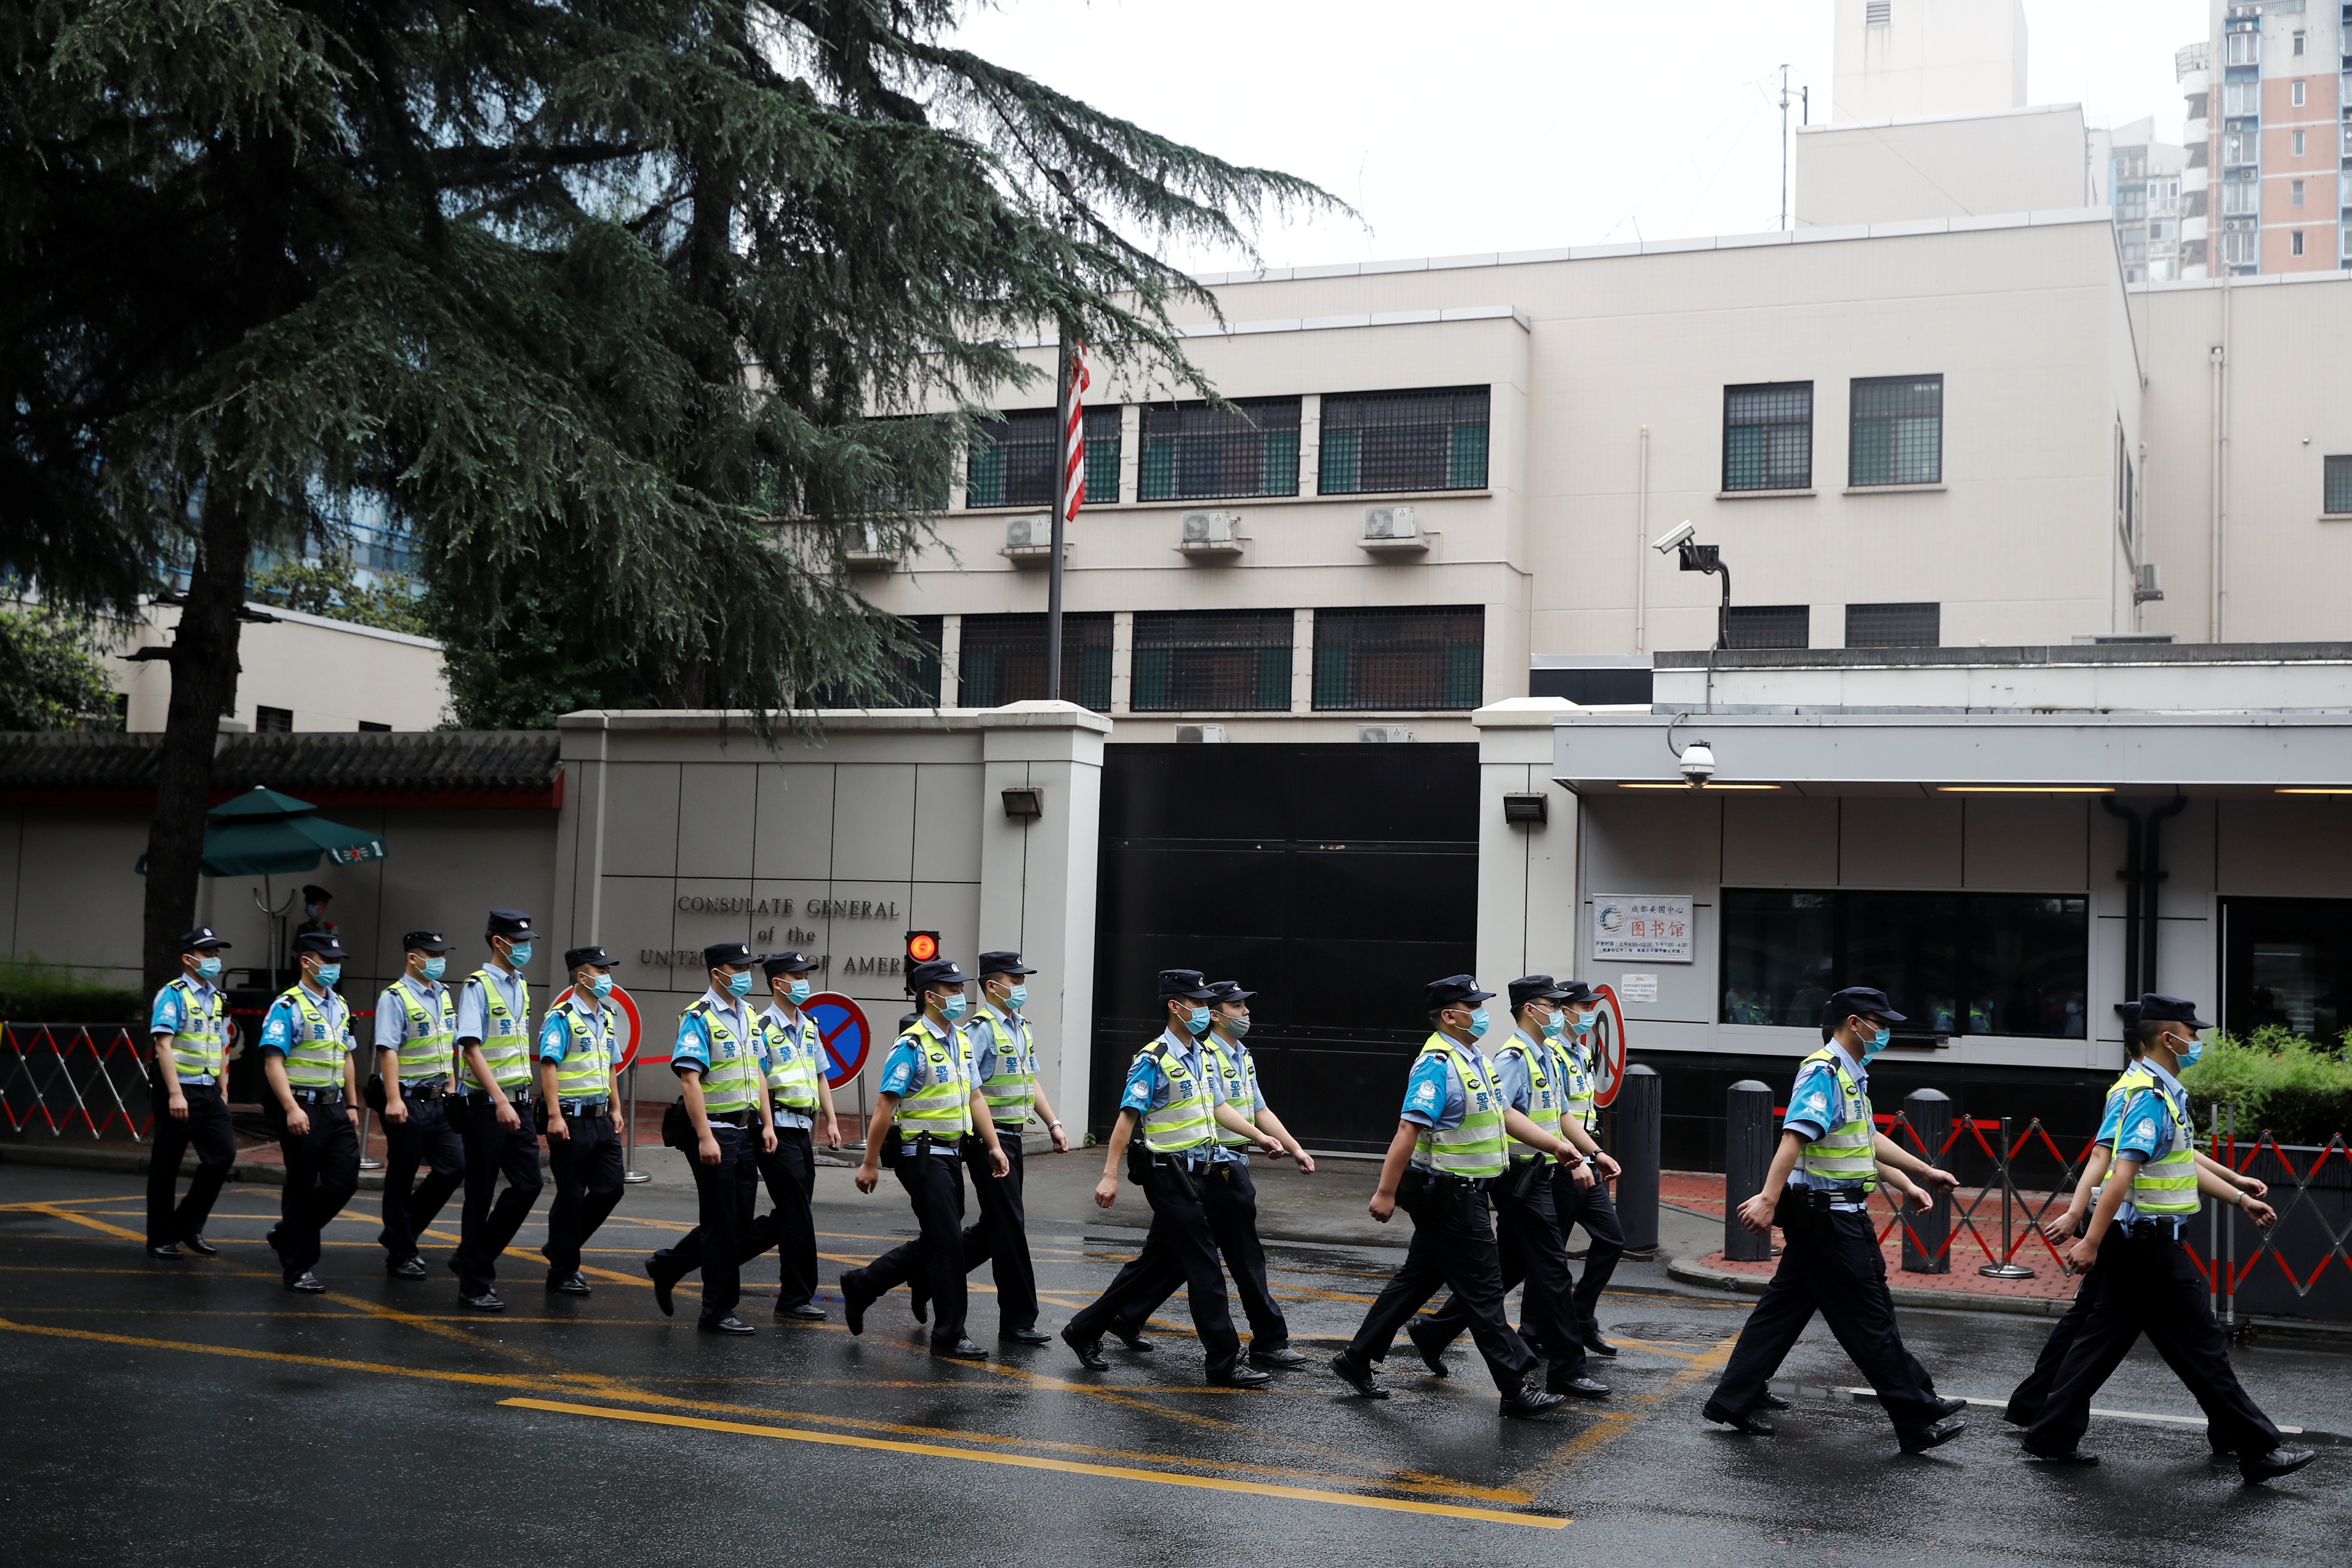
x: 936, y: 972
x: 574, y: 957
x: 1857, y: 1000
x: 1003, y: 963
x: 1529, y: 988
x: 1229, y: 990
x: 314, y: 892
x: 790, y: 962
x: 719, y: 952
x: 2156, y: 1009
x: 1575, y: 993
x: 425, y: 942
x: 1175, y: 982
x: 321, y: 942
x: 510, y: 923
x: 200, y: 939
x: 1454, y: 990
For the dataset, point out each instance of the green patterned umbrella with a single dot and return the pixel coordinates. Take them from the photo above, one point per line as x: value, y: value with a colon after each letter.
x: 265, y: 834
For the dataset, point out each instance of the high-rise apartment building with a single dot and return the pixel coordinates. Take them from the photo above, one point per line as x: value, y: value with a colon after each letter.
x: 2268, y: 141
x: 2141, y: 179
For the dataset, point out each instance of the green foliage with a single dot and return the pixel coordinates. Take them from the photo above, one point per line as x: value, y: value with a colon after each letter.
x: 53, y: 675
x: 2277, y: 1080
x: 327, y: 586
x: 34, y: 992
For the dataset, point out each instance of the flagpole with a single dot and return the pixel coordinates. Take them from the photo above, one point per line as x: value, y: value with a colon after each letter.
x: 1062, y: 381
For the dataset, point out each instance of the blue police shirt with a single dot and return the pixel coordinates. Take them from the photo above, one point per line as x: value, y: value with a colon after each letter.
x: 693, y: 1047
x: 279, y: 1024
x: 2145, y: 1125
x: 391, y: 1018
x: 473, y: 1009
x: 1434, y: 1097
x: 794, y: 1028
x: 1241, y: 1092
x: 907, y: 1067
x: 170, y: 1013
x: 1147, y: 1087
x: 1812, y: 1104
x: 555, y: 1032
x: 1511, y: 1075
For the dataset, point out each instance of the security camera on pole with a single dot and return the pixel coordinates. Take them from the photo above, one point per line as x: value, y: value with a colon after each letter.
x: 1702, y: 558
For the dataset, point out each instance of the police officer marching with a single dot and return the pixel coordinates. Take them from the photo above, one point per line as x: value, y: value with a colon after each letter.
x: 929, y: 1102
x: 1448, y: 1150
x: 798, y: 1092
x: 1175, y: 1099
x: 720, y: 1118
x: 1579, y: 1204
x: 189, y: 1026
x: 497, y: 1121
x: 307, y: 1057
x: 2146, y: 1283
x: 1817, y: 1190
x: 415, y: 1048
x: 579, y: 1094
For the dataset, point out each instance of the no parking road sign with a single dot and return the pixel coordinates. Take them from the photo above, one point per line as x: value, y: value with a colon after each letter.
x: 841, y: 1024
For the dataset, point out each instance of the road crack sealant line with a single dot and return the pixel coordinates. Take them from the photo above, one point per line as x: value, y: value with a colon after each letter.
x: 2135, y: 1417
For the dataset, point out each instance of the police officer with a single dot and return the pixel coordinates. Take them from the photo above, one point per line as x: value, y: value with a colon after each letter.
x: 416, y: 1049
x: 307, y: 1055
x: 580, y: 1097
x: 189, y: 1026
x: 720, y: 1120
x: 1530, y: 1073
x: 1228, y: 1196
x: 1818, y: 1191
x: 498, y: 1120
x: 1177, y: 1100
x: 2148, y: 1285
x: 1577, y: 1203
x: 929, y: 1102
x: 315, y: 922
x: 793, y: 1054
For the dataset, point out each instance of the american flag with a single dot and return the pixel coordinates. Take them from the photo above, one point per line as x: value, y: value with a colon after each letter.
x: 1074, y: 438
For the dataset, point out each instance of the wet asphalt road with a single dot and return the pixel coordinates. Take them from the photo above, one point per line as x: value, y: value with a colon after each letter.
x: 194, y: 1412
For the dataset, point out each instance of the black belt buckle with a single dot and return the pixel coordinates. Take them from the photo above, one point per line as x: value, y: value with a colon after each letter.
x: 583, y: 1107
x: 423, y: 1091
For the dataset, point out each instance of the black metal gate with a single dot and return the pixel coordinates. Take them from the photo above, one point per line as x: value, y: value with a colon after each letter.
x: 1335, y: 880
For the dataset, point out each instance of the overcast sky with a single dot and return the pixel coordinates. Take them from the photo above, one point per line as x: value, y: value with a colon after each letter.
x: 1477, y: 125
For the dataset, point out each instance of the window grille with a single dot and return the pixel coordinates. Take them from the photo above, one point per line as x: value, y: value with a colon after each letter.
x: 273, y: 720
x: 1893, y: 625
x: 1899, y: 431
x: 1768, y: 626
x: 1212, y: 661
x: 1194, y: 452
x: 1878, y: 13
x: 1102, y: 456
x: 1011, y: 460
x: 2337, y: 494
x: 1767, y: 437
x: 1383, y: 441
x: 1002, y: 659
x: 910, y: 680
x: 1420, y: 658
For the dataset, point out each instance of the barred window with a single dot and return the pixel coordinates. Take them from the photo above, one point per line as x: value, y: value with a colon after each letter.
x: 1899, y: 431
x: 1011, y: 460
x: 910, y: 680
x: 1767, y: 437
x: 273, y: 720
x: 1768, y: 626
x: 1212, y: 660
x: 1194, y: 452
x: 1102, y: 456
x: 2339, y: 486
x: 1424, y: 658
x: 1003, y: 660
x: 1376, y: 441
x: 1893, y: 625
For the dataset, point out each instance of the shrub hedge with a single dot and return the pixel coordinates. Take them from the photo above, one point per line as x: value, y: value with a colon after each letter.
x: 2299, y: 1090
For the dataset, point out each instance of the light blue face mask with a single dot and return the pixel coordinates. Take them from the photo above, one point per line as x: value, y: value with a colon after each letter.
x: 1480, y: 1023
x: 1583, y: 1023
x: 209, y: 968
x: 1017, y: 997
x: 739, y: 985
x: 1876, y: 1042
x: 2191, y: 1054
x: 435, y: 968
x: 1553, y: 1025
x: 1199, y: 1021
x: 799, y: 992
x: 953, y: 1007
x: 602, y: 984
x: 518, y: 954
x: 329, y: 972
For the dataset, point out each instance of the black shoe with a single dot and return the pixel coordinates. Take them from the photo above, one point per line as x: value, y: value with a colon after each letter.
x: 305, y: 1284
x: 1281, y: 1360
x: 1356, y: 1374
x: 199, y: 1245
x: 1595, y: 1345
x: 662, y: 1285
x: 1952, y: 1407
x: 1746, y: 1421
x: 488, y: 1301
x: 163, y: 1249
x: 1935, y: 1436
x: 1241, y: 1377
x: 806, y: 1312
x: 1032, y: 1335
x: 1768, y: 1400
x: 1133, y: 1339
x: 404, y: 1267
x: 2071, y: 1456
x: 853, y: 1303
x: 1433, y: 1354
x: 962, y: 1349
x: 1089, y: 1351
x: 571, y: 1284
x: 2260, y: 1468
x: 730, y: 1324
x: 920, y: 1306
x: 1582, y: 1387
x: 1528, y: 1404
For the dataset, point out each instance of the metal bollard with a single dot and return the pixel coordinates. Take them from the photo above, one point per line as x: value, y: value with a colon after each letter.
x: 630, y: 1174
x: 1926, y: 1232
x: 2006, y: 1270
x: 1748, y: 1140
x: 1638, y: 1107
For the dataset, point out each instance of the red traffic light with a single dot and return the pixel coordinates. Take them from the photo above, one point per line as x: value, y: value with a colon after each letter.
x: 922, y: 946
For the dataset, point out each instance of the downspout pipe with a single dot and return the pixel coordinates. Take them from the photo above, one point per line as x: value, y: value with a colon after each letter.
x: 2130, y: 876
x: 2152, y: 876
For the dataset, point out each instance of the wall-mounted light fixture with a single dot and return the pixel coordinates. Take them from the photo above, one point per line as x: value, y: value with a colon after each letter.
x: 1025, y: 803
x: 1533, y: 809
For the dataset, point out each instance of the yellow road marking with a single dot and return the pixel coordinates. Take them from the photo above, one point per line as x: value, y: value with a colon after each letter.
x: 1618, y: 1423
x: 54, y: 1212
x: 1033, y: 1462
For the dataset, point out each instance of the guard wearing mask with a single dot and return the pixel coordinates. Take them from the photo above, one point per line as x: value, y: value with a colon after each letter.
x: 1530, y: 1073
x: 929, y: 1102
x: 189, y: 1026
x: 798, y: 1093
x: 1817, y: 1191
x: 1228, y: 1196
x: 1585, y: 1204
x: 495, y: 1113
x: 2146, y: 1283
x: 1176, y: 1099
x: 416, y: 1077
x: 315, y: 901
x: 721, y: 1119
x: 579, y: 1088
x: 307, y: 1055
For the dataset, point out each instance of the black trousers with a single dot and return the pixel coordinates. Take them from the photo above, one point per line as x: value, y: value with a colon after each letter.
x: 209, y: 1131
x: 1532, y: 1251
x: 424, y: 1139
x: 791, y: 1176
x: 492, y: 1152
x: 1592, y: 1208
x: 1180, y: 1240
x: 1830, y: 1264
x: 1454, y: 1249
x: 322, y: 1172
x: 1000, y: 1237
x: 1229, y: 1202
x: 725, y: 1194
x: 2025, y: 1401
x: 934, y: 1184
x: 587, y: 1169
x: 2145, y: 1284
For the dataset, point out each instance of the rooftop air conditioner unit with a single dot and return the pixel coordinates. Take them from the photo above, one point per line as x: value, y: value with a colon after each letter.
x: 1211, y: 734
x: 1210, y: 534
x: 1029, y: 541
x: 1391, y: 529
x: 1383, y: 734
x: 868, y: 550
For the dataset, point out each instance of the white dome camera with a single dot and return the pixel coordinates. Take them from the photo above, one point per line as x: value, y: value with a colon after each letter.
x: 1698, y: 762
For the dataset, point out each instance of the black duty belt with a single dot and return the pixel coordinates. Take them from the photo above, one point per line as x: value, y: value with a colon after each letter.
x: 482, y: 1096
x: 2166, y: 1229
x: 1448, y: 1179
x: 583, y: 1107
x: 1180, y: 1162
x: 737, y: 1118
x: 423, y: 1091
x: 778, y: 1105
x: 316, y: 1096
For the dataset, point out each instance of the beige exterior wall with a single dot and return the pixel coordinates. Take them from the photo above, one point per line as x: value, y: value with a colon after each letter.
x: 1929, y: 57
x: 1999, y: 161
x: 331, y: 675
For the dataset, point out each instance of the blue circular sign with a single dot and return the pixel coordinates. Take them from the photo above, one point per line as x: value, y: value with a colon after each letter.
x: 841, y: 1024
